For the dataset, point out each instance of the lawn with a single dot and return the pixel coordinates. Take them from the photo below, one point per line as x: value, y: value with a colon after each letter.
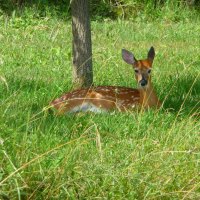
x: 133, y: 155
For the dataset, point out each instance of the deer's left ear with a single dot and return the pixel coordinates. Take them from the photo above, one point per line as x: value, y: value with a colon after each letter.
x: 151, y: 54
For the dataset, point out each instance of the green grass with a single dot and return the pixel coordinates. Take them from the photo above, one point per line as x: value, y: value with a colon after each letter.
x: 141, y: 155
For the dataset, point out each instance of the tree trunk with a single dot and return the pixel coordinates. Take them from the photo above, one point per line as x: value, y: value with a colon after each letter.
x: 82, y: 45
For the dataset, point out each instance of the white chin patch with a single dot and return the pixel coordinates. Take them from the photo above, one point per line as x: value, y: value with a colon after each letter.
x: 87, y: 107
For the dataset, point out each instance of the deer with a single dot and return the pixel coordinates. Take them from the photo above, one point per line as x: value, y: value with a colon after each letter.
x: 108, y: 98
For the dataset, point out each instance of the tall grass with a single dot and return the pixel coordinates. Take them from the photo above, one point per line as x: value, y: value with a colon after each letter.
x: 133, y: 155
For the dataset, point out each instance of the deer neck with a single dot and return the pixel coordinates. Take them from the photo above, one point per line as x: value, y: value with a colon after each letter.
x: 148, y: 97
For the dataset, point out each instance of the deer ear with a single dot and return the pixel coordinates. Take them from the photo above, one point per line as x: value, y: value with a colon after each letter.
x: 151, y: 54
x: 128, y: 57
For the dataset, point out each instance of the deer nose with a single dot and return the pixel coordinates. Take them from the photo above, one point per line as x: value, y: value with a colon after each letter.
x: 143, y: 82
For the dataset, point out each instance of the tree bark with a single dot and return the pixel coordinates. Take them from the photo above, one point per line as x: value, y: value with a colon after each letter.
x: 81, y: 45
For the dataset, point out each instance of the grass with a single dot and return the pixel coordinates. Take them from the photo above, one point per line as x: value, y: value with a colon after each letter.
x: 141, y: 155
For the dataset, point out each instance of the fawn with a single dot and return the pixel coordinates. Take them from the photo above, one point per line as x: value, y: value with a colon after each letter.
x: 108, y: 98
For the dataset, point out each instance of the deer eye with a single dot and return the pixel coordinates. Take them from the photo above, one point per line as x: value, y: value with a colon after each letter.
x: 149, y: 71
x: 136, y: 70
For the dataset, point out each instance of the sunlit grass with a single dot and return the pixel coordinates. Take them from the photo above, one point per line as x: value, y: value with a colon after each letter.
x: 134, y: 155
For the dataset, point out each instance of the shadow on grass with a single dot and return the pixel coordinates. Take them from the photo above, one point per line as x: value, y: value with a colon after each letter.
x: 53, y: 7
x: 56, y: 8
x: 183, y: 96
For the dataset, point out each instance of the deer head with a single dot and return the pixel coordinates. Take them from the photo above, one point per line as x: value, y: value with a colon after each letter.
x: 142, y: 68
